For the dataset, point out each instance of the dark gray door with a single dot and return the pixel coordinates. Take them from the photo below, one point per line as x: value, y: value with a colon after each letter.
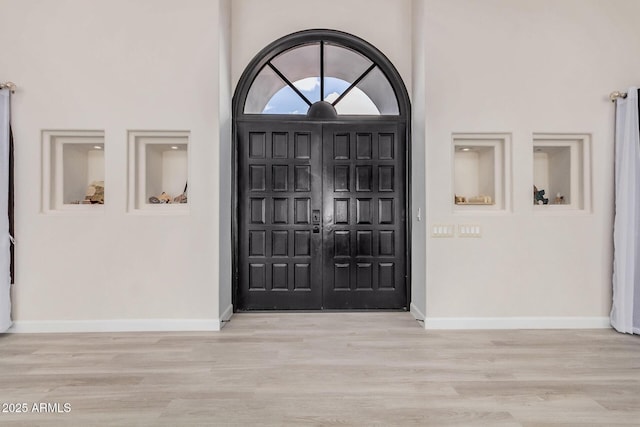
x: 279, y: 186
x: 364, y: 220
x: 321, y: 219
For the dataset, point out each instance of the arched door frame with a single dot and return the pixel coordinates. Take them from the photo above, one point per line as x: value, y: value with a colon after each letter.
x: 240, y: 95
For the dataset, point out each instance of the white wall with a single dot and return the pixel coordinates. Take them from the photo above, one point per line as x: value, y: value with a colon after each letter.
x: 225, y: 166
x: 522, y: 67
x: 385, y: 24
x: 470, y: 66
x: 418, y: 152
x: 115, y: 66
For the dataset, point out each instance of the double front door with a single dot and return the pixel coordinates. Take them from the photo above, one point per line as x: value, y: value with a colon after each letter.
x: 321, y: 216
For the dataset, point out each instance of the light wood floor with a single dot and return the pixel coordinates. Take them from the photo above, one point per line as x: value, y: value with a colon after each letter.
x: 327, y: 368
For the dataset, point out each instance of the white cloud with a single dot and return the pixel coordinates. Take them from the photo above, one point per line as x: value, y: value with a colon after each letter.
x: 308, y: 84
x: 355, y: 102
x: 331, y: 97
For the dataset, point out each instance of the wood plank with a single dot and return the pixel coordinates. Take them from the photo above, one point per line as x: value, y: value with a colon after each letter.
x: 325, y: 368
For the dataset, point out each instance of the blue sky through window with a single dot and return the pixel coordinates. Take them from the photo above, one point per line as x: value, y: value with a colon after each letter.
x: 286, y: 101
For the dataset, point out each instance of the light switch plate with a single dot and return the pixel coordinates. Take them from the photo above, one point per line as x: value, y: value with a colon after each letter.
x: 469, y: 230
x: 443, y: 230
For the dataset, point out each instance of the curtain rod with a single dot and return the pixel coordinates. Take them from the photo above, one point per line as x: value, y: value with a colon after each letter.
x: 612, y: 96
x: 8, y: 85
x: 615, y: 95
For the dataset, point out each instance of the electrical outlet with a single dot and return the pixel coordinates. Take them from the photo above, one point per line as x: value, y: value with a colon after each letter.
x: 469, y: 230
x: 443, y: 230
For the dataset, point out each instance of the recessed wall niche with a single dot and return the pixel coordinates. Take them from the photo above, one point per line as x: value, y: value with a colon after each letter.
x: 73, y: 171
x: 480, y: 167
x: 158, y: 171
x: 561, y: 171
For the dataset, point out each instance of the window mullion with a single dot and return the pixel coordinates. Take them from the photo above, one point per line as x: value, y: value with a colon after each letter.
x: 321, y: 70
x: 286, y: 80
x: 354, y: 84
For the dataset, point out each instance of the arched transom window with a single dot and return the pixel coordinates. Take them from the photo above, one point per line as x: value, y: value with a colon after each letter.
x: 292, y: 81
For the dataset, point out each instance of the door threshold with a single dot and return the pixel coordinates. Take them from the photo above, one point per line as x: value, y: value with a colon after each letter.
x: 326, y: 310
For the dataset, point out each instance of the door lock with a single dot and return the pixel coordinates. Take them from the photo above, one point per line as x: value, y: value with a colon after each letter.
x: 316, y: 229
x: 315, y: 216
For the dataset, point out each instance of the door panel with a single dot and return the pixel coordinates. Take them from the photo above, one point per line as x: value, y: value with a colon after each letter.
x: 279, y: 185
x: 364, y: 225
x: 321, y: 220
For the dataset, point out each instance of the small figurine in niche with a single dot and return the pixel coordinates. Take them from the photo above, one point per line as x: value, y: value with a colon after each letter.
x: 182, y: 198
x: 164, y: 198
x: 538, y: 197
x: 559, y: 200
x: 459, y: 199
x: 480, y: 200
x: 94, y: 193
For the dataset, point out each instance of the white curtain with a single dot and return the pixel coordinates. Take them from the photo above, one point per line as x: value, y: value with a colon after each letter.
x: 5, y: 254
x: 625, y: 312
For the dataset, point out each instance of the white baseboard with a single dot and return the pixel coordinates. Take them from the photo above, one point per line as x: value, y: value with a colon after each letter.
x: 5, y: 326
x: 516, y: 322
x: 226, y: 315
x: 415, y: 311
x: 184, y: 325
x: 119, y: 325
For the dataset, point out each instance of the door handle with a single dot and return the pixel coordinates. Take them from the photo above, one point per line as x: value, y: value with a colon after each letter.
x: 316, y: 229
